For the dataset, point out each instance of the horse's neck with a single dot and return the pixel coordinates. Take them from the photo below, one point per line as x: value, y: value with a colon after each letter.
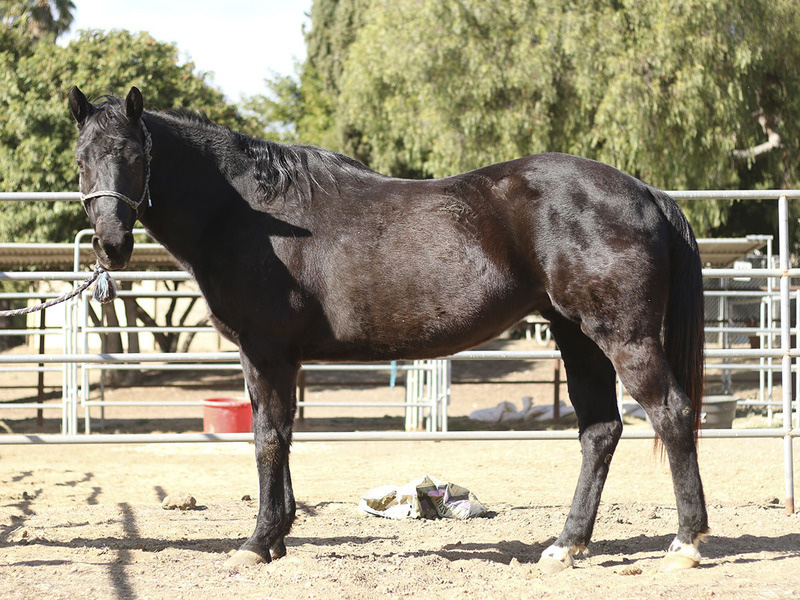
x: 187, y: 189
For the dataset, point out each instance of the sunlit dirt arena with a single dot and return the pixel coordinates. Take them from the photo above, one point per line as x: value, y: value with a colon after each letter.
x: 86, y: 521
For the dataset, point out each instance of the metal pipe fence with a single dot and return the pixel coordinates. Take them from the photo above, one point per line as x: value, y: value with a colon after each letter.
x: 370, y: 436
x: 76, y: 357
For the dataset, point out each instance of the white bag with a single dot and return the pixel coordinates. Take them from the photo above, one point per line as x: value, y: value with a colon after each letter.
x: 423, y: 498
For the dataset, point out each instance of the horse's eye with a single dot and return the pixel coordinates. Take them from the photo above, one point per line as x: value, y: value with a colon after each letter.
x: 80, y: 165
x: 137, y: 160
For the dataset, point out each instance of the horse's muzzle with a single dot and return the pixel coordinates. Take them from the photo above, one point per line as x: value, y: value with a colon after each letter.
x: 113, y: 255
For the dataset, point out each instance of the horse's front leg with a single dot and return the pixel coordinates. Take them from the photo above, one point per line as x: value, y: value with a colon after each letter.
x: 271, y: 382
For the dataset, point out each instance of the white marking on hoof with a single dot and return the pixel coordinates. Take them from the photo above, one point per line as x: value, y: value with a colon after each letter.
x: 682, y: 556
x: 244, y: 558
x: 556, y: 559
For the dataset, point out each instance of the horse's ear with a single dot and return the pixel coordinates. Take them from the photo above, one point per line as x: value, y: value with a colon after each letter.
x: 78, y: 105
x: 134, y: 104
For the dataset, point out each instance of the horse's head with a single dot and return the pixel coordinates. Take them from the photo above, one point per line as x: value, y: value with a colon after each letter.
x: 113, y: 154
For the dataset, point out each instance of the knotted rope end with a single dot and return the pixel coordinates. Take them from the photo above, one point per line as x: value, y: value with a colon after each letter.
x: 104, y: 288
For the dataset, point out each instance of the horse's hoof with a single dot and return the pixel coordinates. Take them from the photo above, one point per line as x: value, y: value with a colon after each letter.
x: 681, y: 555
x: 678, y: 562
x: 551, y: 566
x: 244, y: 558
x: 278, y: 549
x: 557, y: 558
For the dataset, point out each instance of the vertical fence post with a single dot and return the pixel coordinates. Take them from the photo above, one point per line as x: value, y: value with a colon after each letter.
x: 786, y: 361
x: 40, y: 377
x: 796, y: 346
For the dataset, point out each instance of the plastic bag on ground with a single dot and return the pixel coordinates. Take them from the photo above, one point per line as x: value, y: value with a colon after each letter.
x: 507, y: 411
x: 423, y: 498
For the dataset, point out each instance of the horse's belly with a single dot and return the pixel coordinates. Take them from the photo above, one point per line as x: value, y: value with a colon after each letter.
x: 434, y: 286
x: 388, y: 324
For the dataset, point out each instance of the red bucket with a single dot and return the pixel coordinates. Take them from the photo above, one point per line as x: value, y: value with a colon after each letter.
x: 227, y: 415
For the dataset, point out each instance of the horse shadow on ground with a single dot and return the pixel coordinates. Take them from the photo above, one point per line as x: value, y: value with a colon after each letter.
x: 502, y: 552
x: 133, y: 540
x: 746, y: 548
x: 221, y: 546
x: 620, y: 551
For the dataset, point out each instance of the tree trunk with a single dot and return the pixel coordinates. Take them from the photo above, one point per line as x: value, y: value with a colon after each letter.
x: 132, y: 377
x: 773, y: 142
x: 112, y: 344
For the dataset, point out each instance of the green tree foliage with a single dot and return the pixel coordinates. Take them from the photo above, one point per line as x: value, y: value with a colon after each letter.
x: 673, y: 92
x: 40, y: 19
x: 296, y: 109
x: 335, y: 25
x: 37, y: 141
x: 303, y: 108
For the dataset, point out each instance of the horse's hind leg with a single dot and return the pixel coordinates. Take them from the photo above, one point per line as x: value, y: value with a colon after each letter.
x: 591, y: 381
x: 643, y: 368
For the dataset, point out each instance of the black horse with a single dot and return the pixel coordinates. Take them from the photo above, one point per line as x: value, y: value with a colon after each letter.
x: 306, y: 255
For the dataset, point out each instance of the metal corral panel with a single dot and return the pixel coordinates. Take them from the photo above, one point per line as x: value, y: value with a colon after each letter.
x: 61, y: 256
x: 723, y: 252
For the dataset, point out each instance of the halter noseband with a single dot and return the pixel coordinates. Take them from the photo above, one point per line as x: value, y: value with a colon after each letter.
x: 148, y: 146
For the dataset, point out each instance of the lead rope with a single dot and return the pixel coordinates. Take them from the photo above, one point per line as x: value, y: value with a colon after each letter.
x: 104, y: 291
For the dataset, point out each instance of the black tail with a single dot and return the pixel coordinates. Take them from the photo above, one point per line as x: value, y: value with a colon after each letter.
x: 684, y: 323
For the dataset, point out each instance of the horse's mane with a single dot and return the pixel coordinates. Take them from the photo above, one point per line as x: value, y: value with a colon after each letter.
x: 110, y: 117
x: 190, y: 116
x: 285, y: 170
x: 280, y: 170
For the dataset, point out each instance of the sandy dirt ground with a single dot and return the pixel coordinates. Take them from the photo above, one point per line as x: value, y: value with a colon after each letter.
x: 86, y: 521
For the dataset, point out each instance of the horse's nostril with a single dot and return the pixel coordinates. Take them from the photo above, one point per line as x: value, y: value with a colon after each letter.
x: 127, y: 244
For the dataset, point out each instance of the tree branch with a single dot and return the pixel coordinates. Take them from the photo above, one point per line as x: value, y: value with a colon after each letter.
x: 773, y: 141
